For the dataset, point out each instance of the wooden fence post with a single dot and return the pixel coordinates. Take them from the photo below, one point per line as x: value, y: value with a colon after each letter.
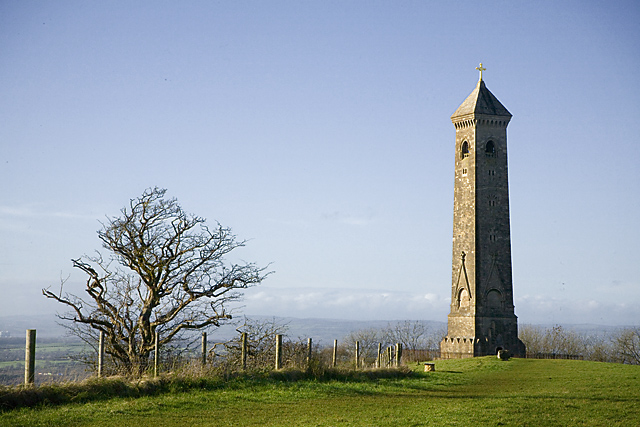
x: 335, y: 353
x: 379, y: 356
x: 398, y: 354
x: 357, y: 354
x: 101, y: 354
x: 30, y: 357
x: 278, y: 351
x: 156, y: 356
x: 388, y: 357
x: 309, y: 350
x: 243, y: 355
x: 204, y: 349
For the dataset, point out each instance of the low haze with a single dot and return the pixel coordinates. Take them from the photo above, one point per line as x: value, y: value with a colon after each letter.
x: 320, y: 132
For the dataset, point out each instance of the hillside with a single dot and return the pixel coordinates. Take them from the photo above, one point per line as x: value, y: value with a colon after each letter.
x: 481, y: 391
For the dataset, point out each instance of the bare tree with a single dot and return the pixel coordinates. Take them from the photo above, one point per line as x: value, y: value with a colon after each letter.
x: 368, y: 340
x: 627, y: 344
x: 166, y: 274
x: 556, y: 340
x: 419, y: 341
x: 412, y: 335
x: 261, y: 346
x: 533, y: 337
x: 598, y: 348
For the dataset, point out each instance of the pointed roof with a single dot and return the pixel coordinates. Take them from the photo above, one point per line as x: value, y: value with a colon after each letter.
x: 481, y: 101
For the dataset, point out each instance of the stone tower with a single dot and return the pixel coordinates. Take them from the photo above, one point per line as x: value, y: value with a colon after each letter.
x: 482, y: 319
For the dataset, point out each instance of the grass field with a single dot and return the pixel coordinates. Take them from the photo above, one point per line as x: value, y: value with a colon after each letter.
x: 481, y: 392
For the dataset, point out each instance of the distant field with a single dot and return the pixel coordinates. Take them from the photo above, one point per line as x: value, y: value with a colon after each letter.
x: 482, y: 391
x: 53, y: 362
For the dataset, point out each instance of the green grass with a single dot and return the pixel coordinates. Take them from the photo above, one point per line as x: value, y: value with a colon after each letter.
x: 482, y: 391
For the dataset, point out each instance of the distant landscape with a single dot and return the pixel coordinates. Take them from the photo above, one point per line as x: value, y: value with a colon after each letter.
x: 323, y: 331
x: 57, y: 352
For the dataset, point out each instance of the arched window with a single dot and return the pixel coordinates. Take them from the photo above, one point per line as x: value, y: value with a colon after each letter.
x: 464, y: 151
x: 490, y: 149
x: 494, y: 299
x: 463, y: 298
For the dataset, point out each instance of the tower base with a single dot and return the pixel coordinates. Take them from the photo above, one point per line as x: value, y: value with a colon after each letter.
x: 458, y: 347
x: 481, y: 336
x: 465, y: 347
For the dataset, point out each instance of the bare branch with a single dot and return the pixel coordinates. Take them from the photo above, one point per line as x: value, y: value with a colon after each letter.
x: 166, y: 274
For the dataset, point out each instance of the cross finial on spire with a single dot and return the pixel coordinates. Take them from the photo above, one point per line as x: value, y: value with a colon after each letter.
x: 481, y: 69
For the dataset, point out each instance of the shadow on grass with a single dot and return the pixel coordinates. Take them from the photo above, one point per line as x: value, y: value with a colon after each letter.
x: 96, y: 389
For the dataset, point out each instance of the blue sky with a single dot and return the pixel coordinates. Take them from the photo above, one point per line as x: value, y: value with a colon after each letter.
x: 320, y: 131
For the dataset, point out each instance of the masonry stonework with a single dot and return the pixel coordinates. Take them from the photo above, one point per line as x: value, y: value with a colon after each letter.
x: 482, y: 318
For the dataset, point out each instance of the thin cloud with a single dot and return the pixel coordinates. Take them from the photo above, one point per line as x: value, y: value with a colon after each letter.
x: 356, y: 304
x: 380, y: 304
x: 348, y: 219
x: 30, y: 213
x: 544, y: 309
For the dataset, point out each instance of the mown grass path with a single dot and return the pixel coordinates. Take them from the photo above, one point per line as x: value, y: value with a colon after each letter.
x: 481, y: 392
